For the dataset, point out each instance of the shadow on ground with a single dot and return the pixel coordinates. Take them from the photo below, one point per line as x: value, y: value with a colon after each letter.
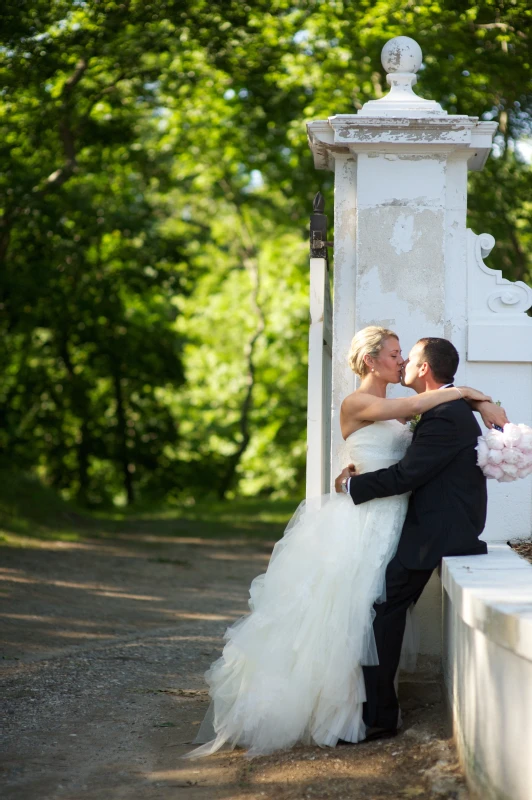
x: 105, y: 641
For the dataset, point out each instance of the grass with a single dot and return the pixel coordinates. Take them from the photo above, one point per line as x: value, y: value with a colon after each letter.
x: 31, y: 511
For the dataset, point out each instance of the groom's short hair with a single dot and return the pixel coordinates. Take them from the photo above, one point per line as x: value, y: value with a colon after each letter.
x: 441, y: 356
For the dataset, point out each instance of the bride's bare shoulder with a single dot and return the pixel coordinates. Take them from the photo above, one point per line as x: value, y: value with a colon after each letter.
x: 356, y: 399
x: 352, y: 412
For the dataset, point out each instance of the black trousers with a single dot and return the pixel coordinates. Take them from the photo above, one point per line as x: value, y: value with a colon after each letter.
x: 403, y: 587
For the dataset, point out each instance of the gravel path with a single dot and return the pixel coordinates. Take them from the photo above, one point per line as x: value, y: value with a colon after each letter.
x: 104, y: 645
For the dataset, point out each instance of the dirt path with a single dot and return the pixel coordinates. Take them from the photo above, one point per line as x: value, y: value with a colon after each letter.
x: 104, y: 647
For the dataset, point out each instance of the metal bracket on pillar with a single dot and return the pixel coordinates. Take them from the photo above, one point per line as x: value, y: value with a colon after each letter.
x: 318, y: 230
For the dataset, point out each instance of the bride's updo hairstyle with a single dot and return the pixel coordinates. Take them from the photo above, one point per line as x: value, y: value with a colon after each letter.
x: 367, y: 342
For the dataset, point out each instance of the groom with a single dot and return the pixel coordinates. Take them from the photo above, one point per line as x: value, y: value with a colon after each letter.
x: 446, y: 515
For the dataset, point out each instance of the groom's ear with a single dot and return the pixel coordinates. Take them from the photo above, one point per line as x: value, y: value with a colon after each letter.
x: 424, y: 368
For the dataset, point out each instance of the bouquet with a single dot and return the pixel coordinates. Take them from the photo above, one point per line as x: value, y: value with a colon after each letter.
x: 506, y: 455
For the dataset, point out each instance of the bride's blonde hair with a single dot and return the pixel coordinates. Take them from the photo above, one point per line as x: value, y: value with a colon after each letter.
x: 367, y: 342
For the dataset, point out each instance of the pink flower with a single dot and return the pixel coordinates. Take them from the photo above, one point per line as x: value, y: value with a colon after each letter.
x: 494, y: 440
x: 492, y: 471
x: 506, y: 456
x: 526, y: 438
x: 510, y: 456
x: 482, y: 452
x: 522, y: 459
x: 526, y: 459
x: 511, y: 435
x: 509, y: 469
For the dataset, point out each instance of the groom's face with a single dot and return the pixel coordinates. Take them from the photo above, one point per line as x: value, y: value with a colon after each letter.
x: 412, y: 365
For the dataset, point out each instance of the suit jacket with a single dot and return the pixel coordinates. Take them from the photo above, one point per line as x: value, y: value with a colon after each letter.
x: 447, y: 508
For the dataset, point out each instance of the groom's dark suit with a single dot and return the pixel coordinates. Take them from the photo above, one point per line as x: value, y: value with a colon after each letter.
x: 446, y: 515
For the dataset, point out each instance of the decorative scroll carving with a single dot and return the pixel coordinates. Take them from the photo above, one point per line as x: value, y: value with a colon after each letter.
x: 498, y: 329
x: 485, y: 244
x: 498, y: 295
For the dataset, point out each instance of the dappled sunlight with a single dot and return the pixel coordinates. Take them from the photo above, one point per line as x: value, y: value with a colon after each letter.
x: 93, y: 588
x: 198, y: 615
x: 277, y: 773
x: 216, y: 592
x: 123, y: 595
x: 209, y: 769
x: 191, y: 638
x: 194, y: 541
x: 81, y: 635
x: 65, y: 595
x: 230, y: 542
x: 141, y: 547
x: 135, y: 637
x: 52, y: 620
x: 19, y: 579
x: 224, y: 556
x: 304, y: 770
x: 214, y: 642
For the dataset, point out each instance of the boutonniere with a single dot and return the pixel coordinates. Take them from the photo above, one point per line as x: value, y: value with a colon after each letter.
x: 414, y: 421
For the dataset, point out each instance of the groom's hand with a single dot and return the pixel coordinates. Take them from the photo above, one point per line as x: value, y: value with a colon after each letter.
x: 348, y: 472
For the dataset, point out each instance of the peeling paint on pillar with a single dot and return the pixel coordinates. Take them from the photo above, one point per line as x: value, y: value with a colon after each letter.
x: 410, y: 281
x: 402, y: 239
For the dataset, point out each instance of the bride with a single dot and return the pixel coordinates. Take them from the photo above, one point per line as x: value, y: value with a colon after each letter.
x: 291, y: 670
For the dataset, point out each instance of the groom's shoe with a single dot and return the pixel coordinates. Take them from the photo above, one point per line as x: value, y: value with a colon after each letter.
x: 372, y: 734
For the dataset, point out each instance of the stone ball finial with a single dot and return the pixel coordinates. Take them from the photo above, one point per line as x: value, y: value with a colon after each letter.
x: 401, y: 54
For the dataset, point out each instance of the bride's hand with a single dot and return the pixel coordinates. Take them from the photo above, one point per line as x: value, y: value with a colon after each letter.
x: 492, y: 414
x: 473, y: 394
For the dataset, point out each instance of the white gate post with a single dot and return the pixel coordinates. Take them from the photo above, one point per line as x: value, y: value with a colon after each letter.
x: 319, y: 358
x: 401, y: 257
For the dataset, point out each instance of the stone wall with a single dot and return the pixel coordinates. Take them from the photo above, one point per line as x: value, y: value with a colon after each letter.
x: 487, y: 667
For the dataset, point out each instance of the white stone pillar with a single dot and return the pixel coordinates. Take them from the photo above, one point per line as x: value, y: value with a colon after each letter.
x: 402, y: 254
x: 344, y: 298
x: 400, y: 216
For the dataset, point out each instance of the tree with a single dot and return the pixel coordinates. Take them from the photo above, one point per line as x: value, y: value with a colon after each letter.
x: 154, y: 207
x: 89, y: 326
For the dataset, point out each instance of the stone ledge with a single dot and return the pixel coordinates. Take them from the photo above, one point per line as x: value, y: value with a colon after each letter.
x: 493, y: 593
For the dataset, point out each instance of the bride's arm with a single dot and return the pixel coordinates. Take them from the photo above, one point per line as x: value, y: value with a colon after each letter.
x: 368, y: 408
x: 491, y: 413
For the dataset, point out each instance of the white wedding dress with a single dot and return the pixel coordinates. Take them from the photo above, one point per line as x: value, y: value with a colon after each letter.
x: 291, y: 670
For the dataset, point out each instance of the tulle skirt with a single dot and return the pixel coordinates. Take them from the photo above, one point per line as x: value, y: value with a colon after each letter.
x: 291, y: 670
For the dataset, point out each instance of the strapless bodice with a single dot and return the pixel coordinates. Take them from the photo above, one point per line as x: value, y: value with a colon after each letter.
x: 378, y: 445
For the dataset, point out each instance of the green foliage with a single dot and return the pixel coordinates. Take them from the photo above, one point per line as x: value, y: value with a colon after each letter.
x: 30, y: 511
x: 154, y: 198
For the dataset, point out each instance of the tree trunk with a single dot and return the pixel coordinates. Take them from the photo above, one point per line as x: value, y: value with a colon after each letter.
x: 81, y: 407
x: 122, y: 436
x: 252, y: 266
x: 83, y: 462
